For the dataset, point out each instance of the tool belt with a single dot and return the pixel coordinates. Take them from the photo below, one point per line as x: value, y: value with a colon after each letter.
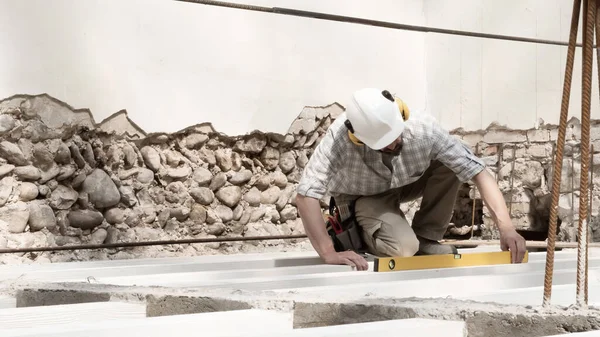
x: 343, y: 228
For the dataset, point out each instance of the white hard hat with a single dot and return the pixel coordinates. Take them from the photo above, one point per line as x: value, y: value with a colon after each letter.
x: 375, y: 117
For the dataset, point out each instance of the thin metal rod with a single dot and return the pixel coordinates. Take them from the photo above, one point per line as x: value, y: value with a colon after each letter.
x: 369, y: 22
x: 150, y: 243
x: 529, y: 244
x: 558, y: 162
x: 512, y: 174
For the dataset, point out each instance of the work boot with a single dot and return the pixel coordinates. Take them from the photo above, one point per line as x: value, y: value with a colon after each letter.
x: 431, y: 247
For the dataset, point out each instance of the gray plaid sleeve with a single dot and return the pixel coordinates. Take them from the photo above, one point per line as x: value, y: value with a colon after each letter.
x: 455, y: 155
x: 318, y: 171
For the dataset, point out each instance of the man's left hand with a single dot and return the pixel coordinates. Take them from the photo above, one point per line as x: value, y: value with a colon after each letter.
x: 513, y: 241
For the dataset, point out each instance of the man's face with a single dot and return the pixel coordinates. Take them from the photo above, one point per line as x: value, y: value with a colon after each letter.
x: 394, y: 148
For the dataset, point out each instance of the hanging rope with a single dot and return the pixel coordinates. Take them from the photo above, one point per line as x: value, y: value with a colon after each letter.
x: 586, y: 93
x: 560, y: 144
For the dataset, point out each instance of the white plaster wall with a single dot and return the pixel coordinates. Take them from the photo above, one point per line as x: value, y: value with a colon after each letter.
x: 172, y: 64
x: 472, y: 82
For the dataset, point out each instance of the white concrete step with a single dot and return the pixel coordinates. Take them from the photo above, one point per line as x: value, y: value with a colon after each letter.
x: 414, y: 327
x: 284, y: 257
x: 80, y: 270
x: 197, y: 278
x: 58, y: 315
x: 435, y: 287
x: 287, y: 278
x: 561, y: 295
x: 579, y: 334
x: 7, y: 302
x: 224, y: 323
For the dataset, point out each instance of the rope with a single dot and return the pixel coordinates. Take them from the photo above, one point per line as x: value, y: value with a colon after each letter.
x: 557, y: 172
x: 588, y: 34
x: 376, y: 23
x: 150, y: 243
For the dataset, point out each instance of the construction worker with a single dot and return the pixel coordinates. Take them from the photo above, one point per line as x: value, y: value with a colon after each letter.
x: 374, y: 157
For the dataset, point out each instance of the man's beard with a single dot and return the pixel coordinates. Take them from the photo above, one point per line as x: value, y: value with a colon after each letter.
x: 396, y: 151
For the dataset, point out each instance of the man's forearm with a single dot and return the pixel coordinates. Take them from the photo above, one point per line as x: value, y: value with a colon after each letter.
x: 493, y: 199
x: 310, y: 212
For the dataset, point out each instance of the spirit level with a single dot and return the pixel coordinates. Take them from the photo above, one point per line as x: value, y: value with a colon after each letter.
x: 383, y: 264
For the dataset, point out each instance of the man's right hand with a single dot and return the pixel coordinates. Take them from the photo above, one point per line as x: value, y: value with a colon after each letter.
x: 314, y: 225
x: 349, y: 258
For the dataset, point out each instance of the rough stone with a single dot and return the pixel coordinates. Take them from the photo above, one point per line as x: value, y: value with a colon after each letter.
x: 85, y: 219
x: 128, y: 196
x: 65, y: 172
x: 16, y: 215
x: 272, y: 215
x: 173, y: 158
x: 223, y: 157
x: 219, y: 180
x: 216, y: 229
x: 270, y: 196
x: 270, y: 158
x: 179, y: 173
x: 289, y: 212
x: 63, y: 197
x: 114, y: 216
x: 254, y: 143
x: 229, y: 195
x: 63, y: 154
x: 263, y: 182
x: 180, y: 213
x: 145, y: 176
x: 28, y: 191
x: 7, y: 123
x: 27, y: 172
x: 112, y: 235
x: 12, y: 153
x: 224, y: 213
x: 6, y: 169
x: 241, y: 177
x: 6, y: 189
x: 538, y: 136
x: 198, y: 213
x: 279, y: 179
x: 195, y: 140
x: 207, y: 156
x: 151, y: 158
x: 76, y: 155
x: 102, y: 191
x: 41, y: 216
x: 252, y: 197
x: 287, y: 162
x: 50, y: 174
x: 98, y: 236
x: 202, y: 195
x: 503, y: 136
x: 302, y: 159
x: 202, y: 176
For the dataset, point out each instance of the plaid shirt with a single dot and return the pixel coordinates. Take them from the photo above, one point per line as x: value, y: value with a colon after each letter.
x: 338, y: 167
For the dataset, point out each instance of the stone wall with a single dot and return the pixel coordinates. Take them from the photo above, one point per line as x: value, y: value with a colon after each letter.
x: 522, y: 163
x: 65, y: 179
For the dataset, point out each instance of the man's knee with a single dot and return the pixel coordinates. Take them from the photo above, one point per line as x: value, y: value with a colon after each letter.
x: 404, y: 245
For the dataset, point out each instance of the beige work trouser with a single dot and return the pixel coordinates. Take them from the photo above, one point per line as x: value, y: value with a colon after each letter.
x: 386, y: 231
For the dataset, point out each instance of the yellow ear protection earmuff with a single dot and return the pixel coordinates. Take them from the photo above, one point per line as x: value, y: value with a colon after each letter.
x: 404, y: 111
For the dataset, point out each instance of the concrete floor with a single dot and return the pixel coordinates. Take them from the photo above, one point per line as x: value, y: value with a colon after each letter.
x: 304, y: 294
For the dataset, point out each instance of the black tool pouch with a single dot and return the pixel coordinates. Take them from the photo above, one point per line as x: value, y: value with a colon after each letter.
x: 345, y: 234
